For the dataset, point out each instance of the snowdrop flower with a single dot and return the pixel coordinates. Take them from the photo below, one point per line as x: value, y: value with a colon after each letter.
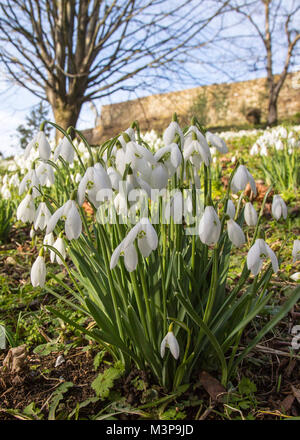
x: 38, y: 272
x: 42, y: 216
x: 159, y: 177
x: 94, y: 179
x: 29, y: 147
x: 295, y: 276
x: 240, y: 180
x: 279, y: 145
x: 147, y: 242
x: 43, y: 145
x: 175, y: 154
x: 197, y: 151
x: 144, y: 185
x: 30, y: 180
x: 49, y: 240
x: 192, y: 134
x: 120, y: 204
x: 216, y: 142
x: 278, y: 208
x: 256, y: 254
x: 120, y: 161
x: 14, y: 180
x: 230, y: 209
x: 264, y: 151
x: 73, y: 224
x: 5, y: 192
x: 254, y: 150
x: 114, y: 177
x: 235, y: 233
x: 143, y: 168
x: 296, y: 251
x: 45, y: 174
x: 171, y: 342
x: 26, y: 209
x: 65, y: 150
x: 210, y: 226
x: 59, y: 245
x: 171, y: 131
x: 134, y: 152
x: 250, y: 214
x: 131, y: 134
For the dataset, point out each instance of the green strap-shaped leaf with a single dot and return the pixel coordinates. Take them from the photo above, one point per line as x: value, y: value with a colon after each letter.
x: 208, y: 333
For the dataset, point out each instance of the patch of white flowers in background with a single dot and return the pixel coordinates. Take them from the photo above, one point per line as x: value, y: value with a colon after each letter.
x: 153, y: 140
x: 276, y: 137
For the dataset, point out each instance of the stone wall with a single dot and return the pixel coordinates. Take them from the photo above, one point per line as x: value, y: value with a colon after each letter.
x: 215, y: 105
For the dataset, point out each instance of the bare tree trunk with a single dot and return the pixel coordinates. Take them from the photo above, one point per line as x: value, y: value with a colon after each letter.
x: 65, y: 114
x: 272, y: 111
x: 273, y: 95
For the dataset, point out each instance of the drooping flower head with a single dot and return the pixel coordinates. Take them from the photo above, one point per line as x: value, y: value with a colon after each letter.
x: 73, y: 224
x: 240, y: 180
x: 279, y: 208
x: 257, y: 253
x: 147, y: 241
x: 170, y: 342
x: 210, y: 226
x: 38, y: 271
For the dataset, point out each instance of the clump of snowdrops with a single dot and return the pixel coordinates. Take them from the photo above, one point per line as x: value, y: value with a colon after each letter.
x: 150, y: 265
x: 282, y: 146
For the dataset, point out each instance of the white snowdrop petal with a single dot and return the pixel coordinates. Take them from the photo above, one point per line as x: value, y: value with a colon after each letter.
x: 250, y: 214
x: 209, y: 226
x: 173, y: 345
x: 115, y: 256
x: 43, y: 146
x: 235, y: 233
x: 73, y: 224
x: 163, y: 346
x: 38, y: 272
x: 130, y: 258
x: 273, y: 258
x: 144, y: 247
x: 54, y: 219
x: 230, y: 209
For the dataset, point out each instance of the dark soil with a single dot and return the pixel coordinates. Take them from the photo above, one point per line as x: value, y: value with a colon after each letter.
x: 39, y: 380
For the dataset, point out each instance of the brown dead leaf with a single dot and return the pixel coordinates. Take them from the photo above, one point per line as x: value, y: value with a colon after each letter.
x: 15, y: 359
x: 287, y: 403
x: 88, y: 209
x: 290, y: 368
x: 261, y: 189
x: 296, y: 393
x: 11, y: 261
x: 212, y: 386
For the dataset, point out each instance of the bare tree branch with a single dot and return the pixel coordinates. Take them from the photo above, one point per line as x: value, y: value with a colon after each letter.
x: 73, y: 51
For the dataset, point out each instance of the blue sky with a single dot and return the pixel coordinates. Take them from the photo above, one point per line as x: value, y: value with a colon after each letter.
x: 16, y: 102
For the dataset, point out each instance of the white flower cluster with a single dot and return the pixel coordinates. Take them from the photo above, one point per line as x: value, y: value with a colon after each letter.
x: 130, y: 165
x: 135, y: 166
x: 153, y: 140
x: 276, y: 137
x: 227, y: 135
